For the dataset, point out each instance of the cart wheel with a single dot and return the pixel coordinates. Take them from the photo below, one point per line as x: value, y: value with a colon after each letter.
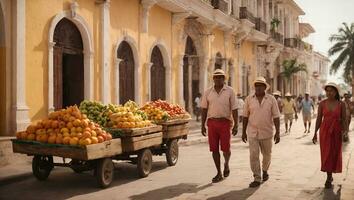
x: 41, y: 166
x: 172, y: 152
x: 144, y: 162
x: 104, y: 172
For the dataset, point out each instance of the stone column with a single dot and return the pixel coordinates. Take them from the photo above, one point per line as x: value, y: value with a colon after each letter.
x: 148, y: 80
x: 105, y: 51
x: 180, y: 81
x: 168, y: 81
x: 190, y: 71
x: 19, y: 64
x: 203, y: 74
x: 267, y: 18
x: 146, y: 5
x: 51, y: 78
x: 116, y: 74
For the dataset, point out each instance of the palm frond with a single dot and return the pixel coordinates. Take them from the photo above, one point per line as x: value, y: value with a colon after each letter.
x: 342, y: 58
x: 337, y: 48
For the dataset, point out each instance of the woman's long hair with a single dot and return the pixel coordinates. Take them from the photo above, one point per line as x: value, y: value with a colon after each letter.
x: 337, y: 97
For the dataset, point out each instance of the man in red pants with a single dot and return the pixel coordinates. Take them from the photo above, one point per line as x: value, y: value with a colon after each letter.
x: 219, y: 110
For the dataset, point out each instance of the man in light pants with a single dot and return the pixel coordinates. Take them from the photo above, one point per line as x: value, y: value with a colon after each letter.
x: 259, y: 113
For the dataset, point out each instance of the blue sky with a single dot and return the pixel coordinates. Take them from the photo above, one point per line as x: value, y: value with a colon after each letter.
x: 326, y: 16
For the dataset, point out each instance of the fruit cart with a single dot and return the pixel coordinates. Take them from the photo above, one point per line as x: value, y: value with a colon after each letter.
x: 95, y: 156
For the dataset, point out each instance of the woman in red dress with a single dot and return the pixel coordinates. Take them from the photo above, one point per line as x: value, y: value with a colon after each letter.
x: 331, y: 122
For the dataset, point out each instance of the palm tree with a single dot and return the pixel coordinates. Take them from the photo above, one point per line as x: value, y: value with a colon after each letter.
x: 291, y: 67
x: 344, y: 46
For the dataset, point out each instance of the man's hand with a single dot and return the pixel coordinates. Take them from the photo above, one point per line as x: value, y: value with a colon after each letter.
x: 234, y: 130
x: 314, y: 139
x: 296, y: 116
x: 203, y: 131
x: 244, y: 137
x: 277, y: 137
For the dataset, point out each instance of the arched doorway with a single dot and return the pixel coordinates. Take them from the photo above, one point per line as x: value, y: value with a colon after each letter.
x: 158, y: 75
x: 68, y: 65
x: 126, y: 73
x: 3, y: 98
x: 190, y: 74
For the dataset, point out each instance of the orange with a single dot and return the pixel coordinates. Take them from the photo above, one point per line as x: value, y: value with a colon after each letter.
x: 59, y: 139
x: 23, y: 135
x: 100, y: 139
x: 87, y: 141
x: 52, y: 139
x: 94, y: 140
x: 74, y: 141
x: 31, y: 136
x: 66, y: 140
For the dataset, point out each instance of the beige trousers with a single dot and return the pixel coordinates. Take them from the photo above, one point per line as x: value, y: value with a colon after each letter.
x: 265, y: 147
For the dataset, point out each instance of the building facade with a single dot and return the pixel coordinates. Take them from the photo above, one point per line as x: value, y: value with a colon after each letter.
x: 54, y: 54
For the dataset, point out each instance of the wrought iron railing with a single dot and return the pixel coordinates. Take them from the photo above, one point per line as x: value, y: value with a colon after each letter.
x: 261, y: 25
x: 222, y: 5
x: 277, y: 37
x: 245, y: 14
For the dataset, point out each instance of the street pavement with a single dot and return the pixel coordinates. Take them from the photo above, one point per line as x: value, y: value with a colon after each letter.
x: 294, y: 174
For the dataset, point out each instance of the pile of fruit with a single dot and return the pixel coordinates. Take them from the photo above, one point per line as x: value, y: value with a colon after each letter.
x: 95, y: 111
x: 127, y: 116
x: 173, y: 111
x: 155, y: 114
x: 67, y: 126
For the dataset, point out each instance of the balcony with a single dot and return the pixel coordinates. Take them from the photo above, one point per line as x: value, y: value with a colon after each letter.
x: 292, y: 43
x: 261, y: 25
x: 222, y: 5
x: 245, y: 14
x: 277, y: 37
x: 307, y: 46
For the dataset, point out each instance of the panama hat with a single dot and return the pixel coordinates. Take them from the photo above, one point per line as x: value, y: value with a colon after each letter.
x: 262, y: 80
x: 278, y: 93
x: 307, y: 93
x: 288, y: 94
x: 219, y: 72
x: 331, y: 84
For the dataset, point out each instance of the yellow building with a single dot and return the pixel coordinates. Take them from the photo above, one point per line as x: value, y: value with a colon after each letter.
x: 57, y: 53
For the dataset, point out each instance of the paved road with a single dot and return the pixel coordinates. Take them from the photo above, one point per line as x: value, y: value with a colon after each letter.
x: 294, y: 174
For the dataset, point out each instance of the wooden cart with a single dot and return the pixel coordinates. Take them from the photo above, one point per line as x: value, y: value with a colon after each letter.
x: 173, y: 130
x: 94, y: 156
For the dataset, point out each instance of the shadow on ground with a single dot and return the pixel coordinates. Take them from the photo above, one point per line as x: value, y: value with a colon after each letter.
x: 236, y: 194
x: 170, y: 191
x: 63, y: 183
x: 322, y: 193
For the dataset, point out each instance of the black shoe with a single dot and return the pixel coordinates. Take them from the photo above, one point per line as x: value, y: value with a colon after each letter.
x: 226, y: 172
x: 217, y: 178
x: 265, y: 176
x: 254, y: 184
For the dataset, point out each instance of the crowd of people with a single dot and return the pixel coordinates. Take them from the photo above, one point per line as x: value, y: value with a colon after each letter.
x: 221, y: 112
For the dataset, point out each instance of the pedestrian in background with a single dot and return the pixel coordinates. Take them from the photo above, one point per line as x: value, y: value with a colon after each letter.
x: 240, y: 103
x: 331, y: 121
x: 259, y: 113
x: 197, y: 106
x: 277, y: 96
x: 289, y: 109
x: 219, y: 109
x: 305, y: 106
x: 348, y: 115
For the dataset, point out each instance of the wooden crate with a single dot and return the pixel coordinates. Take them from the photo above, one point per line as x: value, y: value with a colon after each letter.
x: 141, y: 131
x: 175, y: 130
x: 135, y: 143
x: 94, y: 151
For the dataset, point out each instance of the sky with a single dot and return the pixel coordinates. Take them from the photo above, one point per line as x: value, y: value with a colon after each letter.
x: 326, y: 16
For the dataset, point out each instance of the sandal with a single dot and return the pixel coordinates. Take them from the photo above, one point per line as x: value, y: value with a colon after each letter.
x: 328, y: 183
x: 217, y: 178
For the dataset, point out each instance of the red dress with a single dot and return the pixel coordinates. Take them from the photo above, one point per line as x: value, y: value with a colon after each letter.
x: 331, y: 140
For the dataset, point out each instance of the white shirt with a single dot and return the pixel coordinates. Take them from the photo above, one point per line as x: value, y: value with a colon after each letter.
x: 197, y: 102
x: 240, y: 103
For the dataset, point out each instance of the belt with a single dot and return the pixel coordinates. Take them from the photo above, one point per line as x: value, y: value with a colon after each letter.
x: 219, y: 118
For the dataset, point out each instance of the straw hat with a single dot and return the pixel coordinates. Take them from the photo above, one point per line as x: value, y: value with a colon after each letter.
x: 219, y: 72
x: 278, y: 93
x: 262, y: 80
x: 331, y: 84
x: 307, y: 93
x: 288, y: 94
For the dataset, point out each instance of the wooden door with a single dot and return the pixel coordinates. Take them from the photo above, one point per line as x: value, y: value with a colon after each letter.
x: 126, y: 73
x: 73, y: 79
x: 58, y: 78
x: 158, y: 76
x: 68, y: 65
